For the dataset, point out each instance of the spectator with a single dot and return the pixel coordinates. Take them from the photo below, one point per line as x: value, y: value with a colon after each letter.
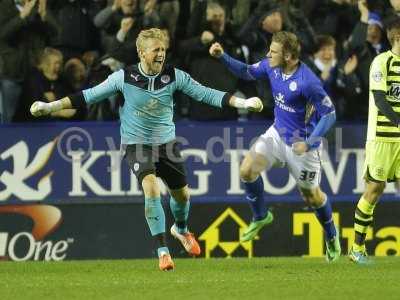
x: 206, y: 69
x: 325, y: 65
x: 168, y: 11
x: 44, y: 83
x: 77, y: 31
x: 120, y: 24
x: 26, y: 28
x: 75, y: 74
x: 257, y: 33
x: 366, y: 41
x: 335, y: 18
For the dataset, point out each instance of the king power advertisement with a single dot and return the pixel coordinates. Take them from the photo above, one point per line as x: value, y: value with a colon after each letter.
x: 67, y: 193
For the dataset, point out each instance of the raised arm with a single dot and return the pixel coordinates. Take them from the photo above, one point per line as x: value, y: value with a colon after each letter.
x: 113, y: 84
x: 240, y: 69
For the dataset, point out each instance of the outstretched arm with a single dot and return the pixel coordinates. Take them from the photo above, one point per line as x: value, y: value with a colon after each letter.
x: 112, y: 85
x: 213, y: 97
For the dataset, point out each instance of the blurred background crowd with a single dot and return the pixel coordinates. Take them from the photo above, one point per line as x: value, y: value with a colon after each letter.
x: 52, y: 48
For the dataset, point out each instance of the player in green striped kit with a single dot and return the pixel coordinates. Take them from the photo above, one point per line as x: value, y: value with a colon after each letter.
x: 148, y: 132
x: 382, y: 162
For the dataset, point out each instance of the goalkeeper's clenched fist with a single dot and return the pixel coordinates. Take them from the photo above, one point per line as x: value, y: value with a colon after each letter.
x: 40, y: 108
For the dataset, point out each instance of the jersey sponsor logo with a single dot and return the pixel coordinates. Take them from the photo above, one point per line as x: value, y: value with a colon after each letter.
x: 395, y: 69
x: 377, y: 76
x: 165, y: 79
x: 395, y: 91
x: 293, y: 86
x: 327, y: 101
x: 151, y: 105
x: 280, y: 102
x: 280, y: 98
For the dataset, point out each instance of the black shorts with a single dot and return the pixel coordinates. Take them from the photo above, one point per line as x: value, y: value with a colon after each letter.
x: 165, y: 161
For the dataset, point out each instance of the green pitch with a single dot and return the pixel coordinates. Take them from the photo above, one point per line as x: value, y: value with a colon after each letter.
x: 257, y: 278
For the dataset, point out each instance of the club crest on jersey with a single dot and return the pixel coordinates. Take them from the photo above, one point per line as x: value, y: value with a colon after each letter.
x: 293, y: 86
x: 377, y: 76
x: 165, y: 79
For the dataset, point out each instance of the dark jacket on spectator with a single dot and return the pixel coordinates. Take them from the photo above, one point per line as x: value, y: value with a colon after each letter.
x: 22, y: 40
x: 77, y: 31
x: 207, y: 70
x: 34, y: 88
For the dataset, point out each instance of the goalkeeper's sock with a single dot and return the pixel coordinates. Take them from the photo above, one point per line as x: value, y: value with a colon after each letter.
x: 324, y: 215
x: 154, y: 214
x: 363, y: 217
x: 180, y: 211
x: 255, y: 197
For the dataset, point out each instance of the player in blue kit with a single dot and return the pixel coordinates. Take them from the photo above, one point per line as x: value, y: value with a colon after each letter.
x: 148, y: 132
x: 303, y: 114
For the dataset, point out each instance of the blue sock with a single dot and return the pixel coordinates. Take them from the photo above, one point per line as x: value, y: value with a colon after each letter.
x: 180, y: 211
x: 154, y: 214
x: 255, y: 197
x: 324, y: 215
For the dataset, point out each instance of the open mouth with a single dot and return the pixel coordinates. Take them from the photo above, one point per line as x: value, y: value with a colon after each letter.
x: 159, y: 62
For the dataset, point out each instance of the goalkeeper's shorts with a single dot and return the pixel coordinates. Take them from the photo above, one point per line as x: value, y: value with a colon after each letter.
x: 165, y: 161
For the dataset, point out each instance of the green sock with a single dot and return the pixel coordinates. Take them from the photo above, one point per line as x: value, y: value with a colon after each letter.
x: 363, y: 218
x: 180, y: 211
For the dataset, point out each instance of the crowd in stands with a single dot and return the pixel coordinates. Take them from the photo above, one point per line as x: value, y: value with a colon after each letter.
x: 52, y: 48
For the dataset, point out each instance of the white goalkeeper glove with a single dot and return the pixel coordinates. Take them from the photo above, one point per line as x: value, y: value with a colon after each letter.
x: 250, y: 104
x: 40, y: 108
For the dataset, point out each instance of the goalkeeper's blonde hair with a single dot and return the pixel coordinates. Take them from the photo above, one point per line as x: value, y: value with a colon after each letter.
x: 149, y: 34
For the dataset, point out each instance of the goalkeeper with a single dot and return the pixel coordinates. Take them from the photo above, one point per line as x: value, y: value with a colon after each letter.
x: 148, y: 132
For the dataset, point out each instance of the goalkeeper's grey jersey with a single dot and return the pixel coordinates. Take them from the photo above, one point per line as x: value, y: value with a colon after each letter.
x: 147, y: 113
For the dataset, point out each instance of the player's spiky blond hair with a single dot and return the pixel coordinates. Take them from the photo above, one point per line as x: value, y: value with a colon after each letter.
x: 148, y: 34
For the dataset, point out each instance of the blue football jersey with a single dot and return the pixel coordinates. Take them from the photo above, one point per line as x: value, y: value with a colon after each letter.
x: 147, y: 113
x: 300, y: 100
